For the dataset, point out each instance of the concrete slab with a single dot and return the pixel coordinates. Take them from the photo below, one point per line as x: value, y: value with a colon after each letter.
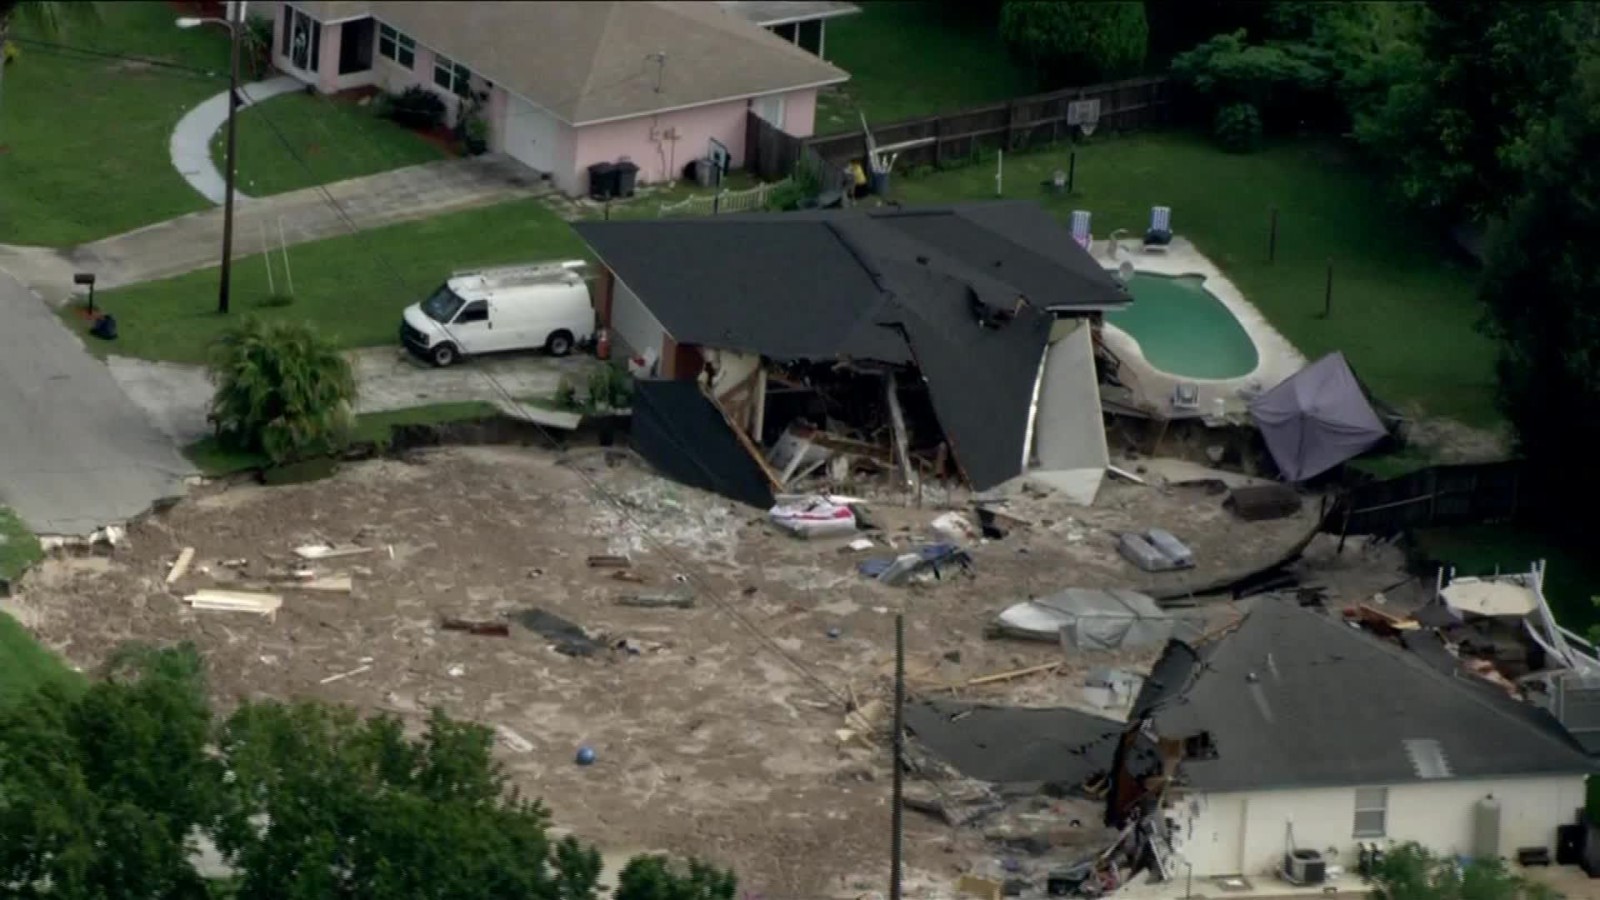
x: 193, y: 242
x: 175, y: 398
x: 75, y: 454
x: 1069, y: 434
x: 190, y: 146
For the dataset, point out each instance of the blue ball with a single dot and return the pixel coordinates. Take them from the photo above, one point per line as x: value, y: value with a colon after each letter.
x: 585, y: 756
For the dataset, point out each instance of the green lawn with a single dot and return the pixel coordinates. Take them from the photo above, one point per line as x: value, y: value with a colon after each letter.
x: 215, y: 461
x: 83, y: 139
x: 352, y: 288
x: 908, y: 59
x: 19, y: 549
x: 1403, y: 311
x: 334, y: 139
x: 24, y: 664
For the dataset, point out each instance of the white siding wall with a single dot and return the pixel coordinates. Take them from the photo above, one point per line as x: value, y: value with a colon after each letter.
x: 732, y: 368
x: 1246, y: 833
x: 632, y: 324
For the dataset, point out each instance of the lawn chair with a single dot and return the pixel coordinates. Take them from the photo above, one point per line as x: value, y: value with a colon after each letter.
x: 1160, y: 233
x: 1186, y: 396
x: 1080, y: 228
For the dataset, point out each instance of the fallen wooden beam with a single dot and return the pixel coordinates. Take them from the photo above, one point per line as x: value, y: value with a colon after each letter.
x: 236, y: 601
x: 343, y: 584
x: 323, y: 551
x: 609, y: 561
x: 487, y: 629
x: 181, y: 566
x: 1013, y: 674
x: 645, y: 601
x: 342, y: 675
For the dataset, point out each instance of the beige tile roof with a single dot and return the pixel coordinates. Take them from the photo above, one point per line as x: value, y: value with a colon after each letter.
x: 591, y: 61
x: 334, y: 10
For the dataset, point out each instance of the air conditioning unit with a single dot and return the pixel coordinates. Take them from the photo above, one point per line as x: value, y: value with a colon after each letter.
x: 1303, y: 867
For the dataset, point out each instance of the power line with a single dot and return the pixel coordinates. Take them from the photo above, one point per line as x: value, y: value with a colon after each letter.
x: 90, y: 52
x: 622, y: 507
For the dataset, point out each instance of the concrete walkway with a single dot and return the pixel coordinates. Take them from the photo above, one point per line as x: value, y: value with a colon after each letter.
x: 175, y: 397
x: 193, y: 242
x: 191, y: 140
x: 75, y: 455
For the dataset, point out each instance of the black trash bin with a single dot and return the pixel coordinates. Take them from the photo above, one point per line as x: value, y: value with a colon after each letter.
x: 627, y: 172
x: 602, y: 181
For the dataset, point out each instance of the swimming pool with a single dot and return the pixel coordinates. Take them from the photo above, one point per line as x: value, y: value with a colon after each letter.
x: 1183, y: 330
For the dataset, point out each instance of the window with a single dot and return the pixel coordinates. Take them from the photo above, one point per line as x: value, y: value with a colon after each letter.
x: 476, y: 311
x: 451, y: 76
x: 396, y: 46
x: 1372, y: 812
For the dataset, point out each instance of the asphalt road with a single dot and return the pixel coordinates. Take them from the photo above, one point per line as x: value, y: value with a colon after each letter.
x: 75, y: 453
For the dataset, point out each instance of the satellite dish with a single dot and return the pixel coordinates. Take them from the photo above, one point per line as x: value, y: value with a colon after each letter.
x: 1125, y: 271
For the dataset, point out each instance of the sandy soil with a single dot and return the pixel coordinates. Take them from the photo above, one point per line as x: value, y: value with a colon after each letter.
x: 716, y: 731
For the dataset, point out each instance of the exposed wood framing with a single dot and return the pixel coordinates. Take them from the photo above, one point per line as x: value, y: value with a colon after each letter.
x: 750, y: 446
x: 898, y: 420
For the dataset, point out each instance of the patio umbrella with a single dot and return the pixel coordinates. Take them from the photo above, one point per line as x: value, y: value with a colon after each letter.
x: 1317, y: 418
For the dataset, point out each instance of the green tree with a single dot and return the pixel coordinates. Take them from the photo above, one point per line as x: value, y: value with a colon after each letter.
x: 358, y: 810
x: 282, y: 390
x: 1076, y: 42
x: 1411, y: 872
x: 101, y: 791
x: 1541, y: 288
x: 1454, y: 128
x: 654, y: 877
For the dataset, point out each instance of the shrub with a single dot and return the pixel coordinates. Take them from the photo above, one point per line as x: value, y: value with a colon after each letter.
x: 610, y: 388
x: 566, y: 395
x: 282, y: 390
x: 416, y: 108
x: 1237, y: 127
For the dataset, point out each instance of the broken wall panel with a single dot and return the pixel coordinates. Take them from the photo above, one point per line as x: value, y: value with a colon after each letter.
x: 677, y: 429
x: 1069, y: 436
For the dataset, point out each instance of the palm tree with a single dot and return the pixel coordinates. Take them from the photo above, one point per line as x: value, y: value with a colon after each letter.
x: 282, y: 390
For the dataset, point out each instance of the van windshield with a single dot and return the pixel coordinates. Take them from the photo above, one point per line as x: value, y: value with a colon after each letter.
x: 443, y: 305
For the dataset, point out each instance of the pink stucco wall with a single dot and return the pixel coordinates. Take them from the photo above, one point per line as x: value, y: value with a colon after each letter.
x: 647, y: 139
x: 800, y: 112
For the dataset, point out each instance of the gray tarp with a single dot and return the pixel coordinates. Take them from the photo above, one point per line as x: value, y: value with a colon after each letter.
x: 1091, y: 619
x: 1317, y: 418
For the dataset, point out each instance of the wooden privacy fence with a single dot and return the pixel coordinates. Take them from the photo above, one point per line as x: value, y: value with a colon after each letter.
x: 1441, y: 495
x: 1012, y: 125
x: 771, y: 153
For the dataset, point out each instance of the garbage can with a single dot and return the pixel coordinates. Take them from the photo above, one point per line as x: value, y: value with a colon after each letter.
x: 625, y: 173
x: 705, y: 171
x: 880, y: 183
x: 602, y: 181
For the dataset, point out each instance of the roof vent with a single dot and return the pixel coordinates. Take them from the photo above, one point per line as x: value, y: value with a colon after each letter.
x: 1428, y: 759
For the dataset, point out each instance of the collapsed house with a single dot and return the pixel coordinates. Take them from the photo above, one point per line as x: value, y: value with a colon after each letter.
x: 1295, y: 742
x: 948, y: 343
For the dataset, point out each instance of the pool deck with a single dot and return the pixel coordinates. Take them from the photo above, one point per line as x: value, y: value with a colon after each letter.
x: 1153, y: 389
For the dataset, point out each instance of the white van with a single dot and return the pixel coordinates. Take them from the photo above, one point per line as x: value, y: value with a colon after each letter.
x: 510, y: 308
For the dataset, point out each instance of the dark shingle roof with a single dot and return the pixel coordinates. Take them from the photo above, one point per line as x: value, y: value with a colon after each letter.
x: 1294, y: 698
x: 892, y: 286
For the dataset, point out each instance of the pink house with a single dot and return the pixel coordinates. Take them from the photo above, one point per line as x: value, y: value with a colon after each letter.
x: 564, y: 85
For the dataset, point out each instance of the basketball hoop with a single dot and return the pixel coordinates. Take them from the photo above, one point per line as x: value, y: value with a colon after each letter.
x: 1084, y: 115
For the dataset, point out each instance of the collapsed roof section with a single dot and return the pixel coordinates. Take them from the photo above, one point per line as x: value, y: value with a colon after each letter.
x: 960, y: 293
x: 1293, y: 698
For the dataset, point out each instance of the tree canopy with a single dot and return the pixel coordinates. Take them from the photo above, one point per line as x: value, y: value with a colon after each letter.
x: 1070, y: 43
x: 109, y: 793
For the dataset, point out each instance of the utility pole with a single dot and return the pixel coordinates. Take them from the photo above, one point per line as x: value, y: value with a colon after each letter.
x: 235, y: 22
x: 896, y: 847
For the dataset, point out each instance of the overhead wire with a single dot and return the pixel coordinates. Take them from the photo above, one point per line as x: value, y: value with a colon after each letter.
x: 512, y: 405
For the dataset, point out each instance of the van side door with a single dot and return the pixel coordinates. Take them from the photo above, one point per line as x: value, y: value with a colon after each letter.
x: 472, y: 330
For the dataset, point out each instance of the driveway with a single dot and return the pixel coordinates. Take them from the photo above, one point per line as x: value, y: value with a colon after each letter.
x: 75, y: 455
x: 194, y: 241
x: 175, y: 397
